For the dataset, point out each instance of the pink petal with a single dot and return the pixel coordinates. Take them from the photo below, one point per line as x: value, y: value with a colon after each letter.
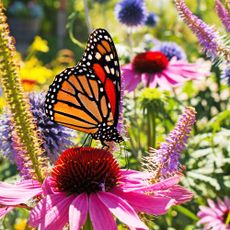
x: 174, y: 79
x: 227, y: 202
x: 163, y: 82
x: 121, y: 209
x: 78, y: 211
x: 221, y: 205
x: 162, y: 185
x: 178, y: 193
x: 133, y: 179
x: 51, y: 212
x: 130, y: 78
x: 146, y: 203
x: 204, y: 211
x: 13, y: 194
x: 4, y: 211
x: 100, y: 216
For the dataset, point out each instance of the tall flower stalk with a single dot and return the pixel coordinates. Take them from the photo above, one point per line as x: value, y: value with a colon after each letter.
x: 208, y: 36
x: 223, y: 14
x: 164, y: 162
x: 21, y: 117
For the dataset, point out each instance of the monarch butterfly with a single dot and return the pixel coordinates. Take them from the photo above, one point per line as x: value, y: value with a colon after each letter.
x: 87, y: 97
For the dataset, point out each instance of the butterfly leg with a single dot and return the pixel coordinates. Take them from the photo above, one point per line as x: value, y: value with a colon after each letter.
x: 104, y: 145
x: 85, y: 141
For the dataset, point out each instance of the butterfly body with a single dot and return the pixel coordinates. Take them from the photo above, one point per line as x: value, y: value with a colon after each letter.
x: 87, y: 97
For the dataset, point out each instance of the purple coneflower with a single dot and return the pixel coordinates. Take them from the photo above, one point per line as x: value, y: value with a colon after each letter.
x: 164, y: 162
x: 131, y: 13
x: 153, y: 68
x: 216, y: 216
x: 88, y: 183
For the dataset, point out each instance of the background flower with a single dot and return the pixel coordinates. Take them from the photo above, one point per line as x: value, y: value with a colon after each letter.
x: 151, y: 20
x: 153, y: 68
x: 50, y: 132
x: 216, y: 215
x: 170, y: 50
x: 131, y: 13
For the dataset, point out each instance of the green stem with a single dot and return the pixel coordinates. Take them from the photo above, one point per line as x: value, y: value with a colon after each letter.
x: 87, y: 17
x: 153, y: 129
x: 88, y: 224
x: 149, y: 136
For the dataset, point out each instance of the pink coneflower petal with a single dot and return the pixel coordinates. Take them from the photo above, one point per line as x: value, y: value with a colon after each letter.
x: 4, y: 211
x: 149, y: 80
x: 78, y: 211
x: 18, y: 193
x: 178, y: 193
x: 51, y: 212
x: 162, y: 185
x: 100, y: 216
x: 121, y: 209
x: 131, y: 78
x: 227, y: 202
x: 221, y: 205
x: 174, y: 78
x: 144, y: 203
x: 207, y: 211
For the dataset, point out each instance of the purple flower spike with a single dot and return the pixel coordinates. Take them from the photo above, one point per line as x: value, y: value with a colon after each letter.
x: 223, y: 14
x: 208, y: 37
x: 164, y: 162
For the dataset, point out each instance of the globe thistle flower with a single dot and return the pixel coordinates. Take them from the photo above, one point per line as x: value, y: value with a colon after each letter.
x: 216, y: 215
x: 164, y: 162
x: 50, y: 132
x: 223, y: 14
x: 151, y: 20
x: 170, y: 50
x: 131, y: 13
x: 88, y: 183
x: 154, y: 68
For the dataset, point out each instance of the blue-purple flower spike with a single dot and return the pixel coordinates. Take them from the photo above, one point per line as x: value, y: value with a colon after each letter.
x: 208, y: 37
x: 164, y: 162
x: 131, y: 13
x: 223, y: 14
